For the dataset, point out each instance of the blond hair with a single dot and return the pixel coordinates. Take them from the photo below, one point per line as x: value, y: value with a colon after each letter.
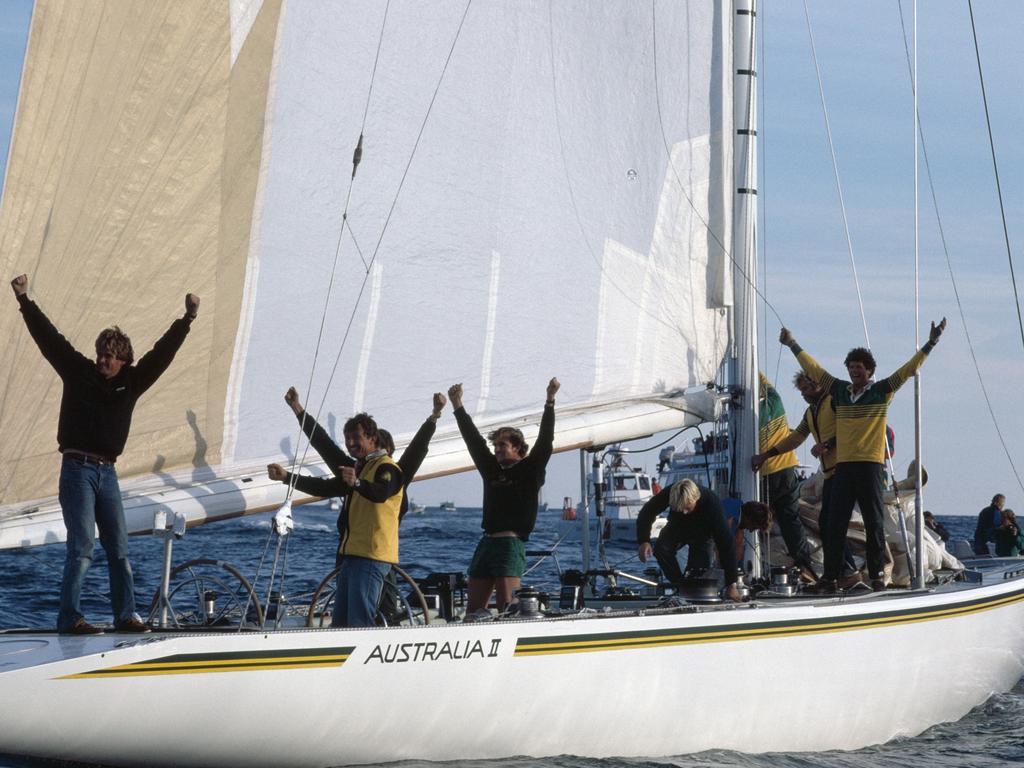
x: 683, y: 493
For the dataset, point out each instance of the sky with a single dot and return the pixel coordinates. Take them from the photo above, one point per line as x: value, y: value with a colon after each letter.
x: 807, y: 274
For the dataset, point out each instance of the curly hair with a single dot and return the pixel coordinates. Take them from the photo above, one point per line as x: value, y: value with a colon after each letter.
x: 801, y: 376
x: 365, y: 421
x: 117, y: 343
x: 514, y: 437
x: 861, y: 355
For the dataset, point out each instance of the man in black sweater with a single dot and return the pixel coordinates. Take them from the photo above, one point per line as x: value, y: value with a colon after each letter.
x: 95, y: 417
x: 512, y: 482
x: 695, y: 518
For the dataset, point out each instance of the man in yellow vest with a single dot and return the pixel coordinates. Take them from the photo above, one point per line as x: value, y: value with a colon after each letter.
x: 369, y: 543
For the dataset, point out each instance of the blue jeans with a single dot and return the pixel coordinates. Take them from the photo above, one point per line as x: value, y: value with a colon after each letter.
x: 89, y: 498
x: 357, y: 594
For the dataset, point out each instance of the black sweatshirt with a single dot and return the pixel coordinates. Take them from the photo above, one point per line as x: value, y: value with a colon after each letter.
x: 510, y: 494
x: 96, y: 412
x: 707, y: 521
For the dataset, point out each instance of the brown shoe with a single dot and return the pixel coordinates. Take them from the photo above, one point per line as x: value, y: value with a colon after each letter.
x: 131, y: 624
x: 850, y: 581
x: 82, y: 627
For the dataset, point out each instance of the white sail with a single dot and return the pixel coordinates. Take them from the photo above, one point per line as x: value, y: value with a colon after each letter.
x: 544, y: 190
x: 535, y: 229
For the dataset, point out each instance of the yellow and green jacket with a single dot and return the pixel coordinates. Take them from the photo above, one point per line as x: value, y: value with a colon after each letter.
x: 373, y: 507
x: 860, y: 421
x: 773, y: 429
x: 820, y: 421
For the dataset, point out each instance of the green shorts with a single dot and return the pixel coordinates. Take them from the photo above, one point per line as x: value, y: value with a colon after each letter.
x: 498, y: 556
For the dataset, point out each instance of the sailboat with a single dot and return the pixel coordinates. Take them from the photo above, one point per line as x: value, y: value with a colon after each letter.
x: 517, y: 164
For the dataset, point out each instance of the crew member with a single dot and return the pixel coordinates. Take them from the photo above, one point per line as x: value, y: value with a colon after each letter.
x: 696, y: 518
x: 780, y: 486
x: 336, y: 458
x: 512, y: 477
x: 861, y: 406
x: 92, y: 429
x: 369, y: 545
x: 818, y: 420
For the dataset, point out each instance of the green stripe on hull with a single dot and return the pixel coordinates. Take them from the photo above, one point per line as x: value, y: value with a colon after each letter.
x: 235, y: 661
x: 617, y: 641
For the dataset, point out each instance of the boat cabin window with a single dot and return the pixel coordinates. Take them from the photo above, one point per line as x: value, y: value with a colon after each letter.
x: 645, y: 483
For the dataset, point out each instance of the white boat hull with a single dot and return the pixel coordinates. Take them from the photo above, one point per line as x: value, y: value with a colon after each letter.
x: 851, y: 673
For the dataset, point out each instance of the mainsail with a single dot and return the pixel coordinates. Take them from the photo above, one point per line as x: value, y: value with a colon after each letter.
x: 544, y: 189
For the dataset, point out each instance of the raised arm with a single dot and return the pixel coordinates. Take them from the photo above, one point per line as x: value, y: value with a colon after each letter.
x: 57, y: 350
x: 475, y: 443
x: 332, y: 453
x: 808, y: 363
x: 416, y: 451
x: 20, y: 285
x: 896, y: 380
x: 546, y: 435
x: 152, y: 364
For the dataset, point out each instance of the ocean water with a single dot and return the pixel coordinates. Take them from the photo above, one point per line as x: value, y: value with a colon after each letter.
x: 991, y: 735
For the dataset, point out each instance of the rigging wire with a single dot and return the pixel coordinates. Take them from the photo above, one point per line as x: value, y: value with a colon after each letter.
x: 762, y: 195
x: 663, y: 442
x: 256, y: 578
x: 356, y: 158
x: 953, y: 280
x: 846, y: 228
x: 835, y: 170
x: 995, y: 169
x: 368, y: 267
x: 394, y: 203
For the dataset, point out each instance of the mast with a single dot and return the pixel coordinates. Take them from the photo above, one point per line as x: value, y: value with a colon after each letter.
x: 743, y: 360
x: 918, y: 575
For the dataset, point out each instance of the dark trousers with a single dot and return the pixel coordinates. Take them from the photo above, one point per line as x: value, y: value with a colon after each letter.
x: 673, y: 538
x: 823, y: 518
x: 856, y: 482
x: 782, y: 492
